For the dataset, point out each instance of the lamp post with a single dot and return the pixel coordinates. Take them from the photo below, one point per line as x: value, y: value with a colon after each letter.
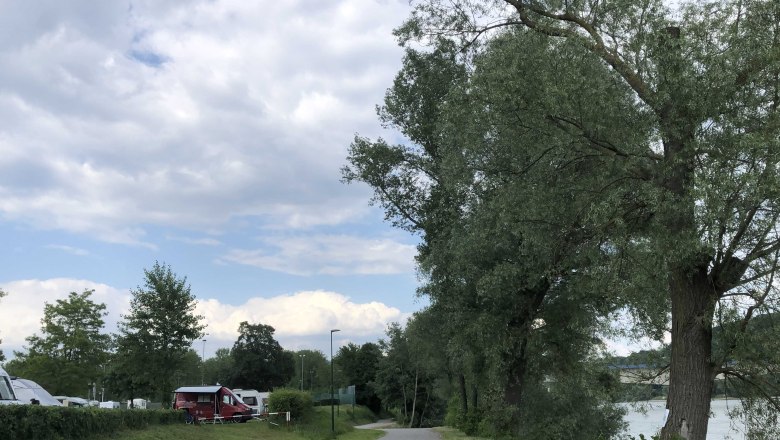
x: 332, y: 414
x: 302, y: 356
x: 203, y: 362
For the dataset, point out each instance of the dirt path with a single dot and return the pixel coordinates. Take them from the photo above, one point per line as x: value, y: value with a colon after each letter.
x: 393, y: 432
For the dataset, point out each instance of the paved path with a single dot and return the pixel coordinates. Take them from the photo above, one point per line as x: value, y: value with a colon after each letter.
x: 393, y: 432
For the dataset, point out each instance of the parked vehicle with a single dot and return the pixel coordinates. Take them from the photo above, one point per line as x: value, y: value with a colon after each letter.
x: 211, y: 403
x: 30, y: 392
x: 254, y: 399
x: 7, y: 395
x: 109, y: 404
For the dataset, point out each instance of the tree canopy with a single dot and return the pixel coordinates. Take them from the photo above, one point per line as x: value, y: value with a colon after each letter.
x: 71, y: 351
x: 156, y: 336
x: 259, y: 361
x: 585, y: 157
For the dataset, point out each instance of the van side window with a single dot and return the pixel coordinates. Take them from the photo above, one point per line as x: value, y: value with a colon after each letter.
x: 252, y: 401
x: 5, y: 389
x: 226, y: 399
x: 204, y: 398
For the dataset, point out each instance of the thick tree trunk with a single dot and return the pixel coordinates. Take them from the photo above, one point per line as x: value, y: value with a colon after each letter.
x: 691, y: 378
x: 692, y: 293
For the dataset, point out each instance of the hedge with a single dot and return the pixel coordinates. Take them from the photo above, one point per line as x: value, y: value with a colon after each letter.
x: 33, y: 422
x: 298, y: 403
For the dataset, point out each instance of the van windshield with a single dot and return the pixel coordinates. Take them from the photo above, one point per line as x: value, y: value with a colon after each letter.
x: 5, y: 389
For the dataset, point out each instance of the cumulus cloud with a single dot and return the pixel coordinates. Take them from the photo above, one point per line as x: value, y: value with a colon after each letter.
x: 187, y: 113
x: 300, y: 319
x: 328, y: 254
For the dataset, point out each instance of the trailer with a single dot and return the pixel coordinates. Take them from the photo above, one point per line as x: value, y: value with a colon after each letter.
x: 214, y: 404
x: 254, y: 399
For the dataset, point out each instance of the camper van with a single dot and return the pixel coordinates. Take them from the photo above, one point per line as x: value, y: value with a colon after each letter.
x: 254, y: 399
x: 7, y: 395
x: 28, y: 391
x: 215, y: 403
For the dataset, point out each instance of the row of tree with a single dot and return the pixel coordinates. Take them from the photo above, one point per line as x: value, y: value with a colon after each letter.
x: 569, y: 162
x: 151, y: 353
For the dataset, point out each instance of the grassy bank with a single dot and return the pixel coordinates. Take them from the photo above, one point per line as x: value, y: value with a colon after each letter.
x: 317, y: 427
x: 453, y: 434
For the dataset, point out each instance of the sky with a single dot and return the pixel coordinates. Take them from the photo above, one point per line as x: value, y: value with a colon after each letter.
x: 207, y: 135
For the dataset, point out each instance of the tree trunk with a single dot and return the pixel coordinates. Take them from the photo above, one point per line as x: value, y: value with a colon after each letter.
x: 691, y: 290
x: 691, y: 378
x: 464, y: 399
x: 414, y: 399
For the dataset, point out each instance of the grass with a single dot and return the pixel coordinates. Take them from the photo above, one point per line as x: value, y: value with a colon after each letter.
x: 317, y: 427
x: 448, y: 433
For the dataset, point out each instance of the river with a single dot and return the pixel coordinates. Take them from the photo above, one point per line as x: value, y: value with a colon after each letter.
x: 721, y: 427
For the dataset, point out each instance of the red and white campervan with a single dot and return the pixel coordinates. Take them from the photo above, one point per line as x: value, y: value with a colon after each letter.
x: 211, y: 403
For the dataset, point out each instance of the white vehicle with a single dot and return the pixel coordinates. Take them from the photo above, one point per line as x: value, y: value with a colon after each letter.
x: 7, y: 395
x: 30, y: 392
x: 110, y: 404
x: 254, y: 399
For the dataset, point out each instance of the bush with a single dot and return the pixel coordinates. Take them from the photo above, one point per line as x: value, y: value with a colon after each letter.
x: 24, y: 422
x: 298, y: 403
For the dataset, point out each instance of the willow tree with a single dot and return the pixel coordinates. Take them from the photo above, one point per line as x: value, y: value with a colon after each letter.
x: 708, y: 75
x: 505, y: 239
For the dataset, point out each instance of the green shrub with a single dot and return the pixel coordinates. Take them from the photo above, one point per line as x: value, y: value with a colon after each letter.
x: 298, y: 403
x: 24, y: 422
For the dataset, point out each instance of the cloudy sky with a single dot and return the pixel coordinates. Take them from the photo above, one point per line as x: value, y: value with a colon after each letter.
x: 208, y: 135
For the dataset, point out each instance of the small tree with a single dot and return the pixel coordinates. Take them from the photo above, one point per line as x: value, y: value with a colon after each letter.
x: 155, y: 337
x: 71, y: 350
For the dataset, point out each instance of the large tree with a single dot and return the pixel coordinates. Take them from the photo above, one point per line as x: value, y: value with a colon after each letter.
x: 505, y: 242
x: 71, y: 350
x: 359, y: 365
x: 706, y: 77
x: 156, y: 336
x: 259, y: 361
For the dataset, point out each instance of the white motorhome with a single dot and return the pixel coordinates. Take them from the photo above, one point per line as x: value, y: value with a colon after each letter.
x: 28, y: 391
x: 254, y: 399
x: 7, y: 395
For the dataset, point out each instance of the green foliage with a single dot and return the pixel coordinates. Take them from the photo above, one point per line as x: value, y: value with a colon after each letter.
x: 316, y: 371
x: 219, y: 368
x: 71, y: 351
x: 23, y: 422
x: 298, y: 404
x: 259, y: 361
x: 156, y: 336
x: 359, y: 367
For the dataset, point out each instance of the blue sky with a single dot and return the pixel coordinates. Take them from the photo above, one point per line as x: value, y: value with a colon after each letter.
x: 207, y: 135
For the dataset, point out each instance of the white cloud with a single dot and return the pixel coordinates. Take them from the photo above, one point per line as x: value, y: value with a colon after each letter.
x: 190, y: 114
x: 69, y: 249
x: 300, y: 319
x: 329, y: 255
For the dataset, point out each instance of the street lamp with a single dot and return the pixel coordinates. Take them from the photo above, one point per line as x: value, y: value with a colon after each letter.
x: 302, y: 356
x: 332, y: 414
x: 203, y: 362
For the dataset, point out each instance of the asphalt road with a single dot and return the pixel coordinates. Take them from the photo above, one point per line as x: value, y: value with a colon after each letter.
x: 395, y: 433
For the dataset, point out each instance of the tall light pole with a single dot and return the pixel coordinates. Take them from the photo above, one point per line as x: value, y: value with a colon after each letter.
x: 332, y: 414
x: 302, y: 356
x: 203, y: 362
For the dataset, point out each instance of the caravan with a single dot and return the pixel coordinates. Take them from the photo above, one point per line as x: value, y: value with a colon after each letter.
x: 28, y: 391
x: 256, y: 400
